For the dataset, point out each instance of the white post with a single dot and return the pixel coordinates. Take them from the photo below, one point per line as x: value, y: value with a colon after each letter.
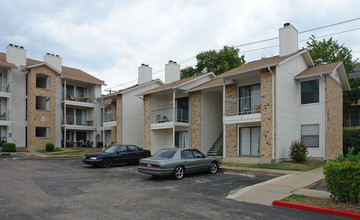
x: 174, y: 119
x: 64, y: 115
x: 224, y: 126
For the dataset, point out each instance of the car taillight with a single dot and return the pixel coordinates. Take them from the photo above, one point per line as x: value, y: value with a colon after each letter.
x: 141, y: 164
x: 156, y: 166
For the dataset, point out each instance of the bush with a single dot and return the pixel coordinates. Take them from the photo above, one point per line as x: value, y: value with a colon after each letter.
x: 351, y: 138
x: 342, y: 177
x: 99, y: 144
x: 298, y: 151
x: 49, y: 147
x: 9, y: 147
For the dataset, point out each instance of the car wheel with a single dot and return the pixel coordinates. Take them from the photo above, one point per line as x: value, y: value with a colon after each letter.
x: 107, y: 163
x: 179, y: 172
x: 213, y: 167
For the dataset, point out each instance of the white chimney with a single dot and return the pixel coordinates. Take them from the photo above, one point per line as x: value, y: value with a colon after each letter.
x: 172, y: 72
x: 145, y: 74
x: 16, y: 54
x: 54, y: 61
x: 288, y: 40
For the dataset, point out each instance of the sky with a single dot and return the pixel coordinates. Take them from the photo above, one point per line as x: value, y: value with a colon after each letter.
x: 110, y: 39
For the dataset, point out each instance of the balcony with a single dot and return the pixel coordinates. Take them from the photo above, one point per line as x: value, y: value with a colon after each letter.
x: 109, y: 116
x: 83, y: 101
x: 244, y: 109
x: 165, y: 117
x: 5, y: 91
x: 79, y: 123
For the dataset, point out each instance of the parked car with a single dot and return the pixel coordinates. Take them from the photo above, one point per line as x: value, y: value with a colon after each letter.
x: 177, y: 162
x: 116, y: 154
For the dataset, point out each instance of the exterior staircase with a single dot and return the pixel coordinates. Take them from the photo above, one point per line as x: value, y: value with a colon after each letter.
x: 217, y: 148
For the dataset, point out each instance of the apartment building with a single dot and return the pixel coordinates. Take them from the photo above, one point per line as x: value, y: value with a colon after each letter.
x: 166, y: 109
x: 45, y: 102
x: 123, y: 111
x: 251, y: 114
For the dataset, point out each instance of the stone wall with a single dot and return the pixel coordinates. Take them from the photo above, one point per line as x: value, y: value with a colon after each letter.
x: 41, y: 118
x: 334, y: 120
x: 195, y: 123
x: 147, y: 116
x: 266, y: 114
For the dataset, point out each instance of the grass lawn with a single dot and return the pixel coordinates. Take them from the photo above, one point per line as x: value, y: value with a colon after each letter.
x: 73, y: 151
x: 327, y: 203
x: 286, y: 165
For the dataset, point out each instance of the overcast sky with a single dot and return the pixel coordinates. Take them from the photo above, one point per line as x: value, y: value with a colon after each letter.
x: 111, y: 39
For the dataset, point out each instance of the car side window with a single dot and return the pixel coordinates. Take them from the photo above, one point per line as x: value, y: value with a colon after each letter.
x: 121, y: 149
x: 198, y: 154
x: 187, y: 154
x: 133, y: 148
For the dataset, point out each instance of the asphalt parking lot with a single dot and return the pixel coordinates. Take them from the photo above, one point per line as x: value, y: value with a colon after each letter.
x: 32, y: 188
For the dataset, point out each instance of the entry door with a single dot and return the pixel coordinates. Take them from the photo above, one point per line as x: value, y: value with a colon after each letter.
x: 181, y: 139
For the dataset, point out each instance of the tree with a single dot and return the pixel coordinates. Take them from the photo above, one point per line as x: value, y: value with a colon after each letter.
x: 215, y: 61
x: 323, y: 52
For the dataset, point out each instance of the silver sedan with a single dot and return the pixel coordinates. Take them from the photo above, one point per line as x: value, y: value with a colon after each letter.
x: 177, y: 162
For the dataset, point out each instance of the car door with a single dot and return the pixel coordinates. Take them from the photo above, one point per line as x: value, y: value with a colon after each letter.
x: 201, y: 162
x: 121, y: 155
x: 133, y: 153
x: 189, y: 161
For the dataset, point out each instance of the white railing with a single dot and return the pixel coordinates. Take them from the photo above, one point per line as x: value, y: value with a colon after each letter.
x: 243, y: 106
x: 109, y: 116
x: 166, y: 115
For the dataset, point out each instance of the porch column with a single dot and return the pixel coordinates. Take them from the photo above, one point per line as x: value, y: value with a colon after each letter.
x: 174, y: 119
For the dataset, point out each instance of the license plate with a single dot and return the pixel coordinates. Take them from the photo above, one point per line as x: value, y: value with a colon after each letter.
x: 148, y: 165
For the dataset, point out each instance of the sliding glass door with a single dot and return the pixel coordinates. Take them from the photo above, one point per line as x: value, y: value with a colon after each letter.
x: 249, y: 141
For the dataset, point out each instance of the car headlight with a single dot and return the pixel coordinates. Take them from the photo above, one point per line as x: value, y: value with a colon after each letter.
x: 93, y: 158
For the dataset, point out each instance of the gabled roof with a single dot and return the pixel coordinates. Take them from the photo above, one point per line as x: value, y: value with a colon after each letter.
x: 318, y: 70
x: 45, y: 64
x: 260, y: 64
x: 67, y: 72
x: 211, y: 84
x: 177, y: 83
x: 4, y: 63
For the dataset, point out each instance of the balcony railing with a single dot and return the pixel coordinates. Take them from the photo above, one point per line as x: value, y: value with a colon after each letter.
x: 243, y: 106
x: 78, y: 120
x: 81, y: 98
x: 5, y: 88
x: 166, y: 115
x: 109, y: 116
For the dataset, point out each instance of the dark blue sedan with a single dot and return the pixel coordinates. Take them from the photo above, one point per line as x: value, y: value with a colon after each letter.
x: 117, y: 154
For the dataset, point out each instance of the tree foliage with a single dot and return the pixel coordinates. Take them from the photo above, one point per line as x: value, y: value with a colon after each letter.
x: 329, y: 51
x: 215, y: 61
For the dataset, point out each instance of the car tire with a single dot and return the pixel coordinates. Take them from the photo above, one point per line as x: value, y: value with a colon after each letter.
x: 179, y: 172
x: 107, y: 163
x: 213, y: 168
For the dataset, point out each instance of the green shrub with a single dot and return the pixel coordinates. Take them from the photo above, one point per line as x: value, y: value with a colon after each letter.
x: 99, y: 144
x: 49, y: 147
x: 9, y: 147
x: 298, y: 151
x: 342, y: 177
x: 351, y: 138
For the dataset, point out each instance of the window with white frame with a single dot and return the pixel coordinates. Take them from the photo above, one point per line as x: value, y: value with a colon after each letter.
x: 310, y: 135
x: 310, y: 91
x: 42, y: 103
x: 249, y: 141
x: 42, y: 132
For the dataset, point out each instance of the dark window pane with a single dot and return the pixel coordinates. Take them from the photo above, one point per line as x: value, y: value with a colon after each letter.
x: 310, y: 92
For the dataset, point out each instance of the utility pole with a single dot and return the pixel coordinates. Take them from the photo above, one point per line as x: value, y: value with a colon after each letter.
x: 207, y: 62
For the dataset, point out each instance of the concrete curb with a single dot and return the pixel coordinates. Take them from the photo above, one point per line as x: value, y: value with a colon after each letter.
x: 318, y: 209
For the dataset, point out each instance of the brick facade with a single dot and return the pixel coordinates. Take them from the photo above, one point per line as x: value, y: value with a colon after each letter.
x: 334, y: 120
x: 119, y: 119
x: 266, y: 114
x: 231, y: 129
x: 195, y: 123
x: 147, y: 123
x: 41, y: 118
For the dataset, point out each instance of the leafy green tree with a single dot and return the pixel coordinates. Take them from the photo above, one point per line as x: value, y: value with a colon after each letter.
x: 329, y: 51
x: 215, y: 61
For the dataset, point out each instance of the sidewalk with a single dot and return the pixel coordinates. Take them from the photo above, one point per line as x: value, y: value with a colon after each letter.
x: 280, y: 187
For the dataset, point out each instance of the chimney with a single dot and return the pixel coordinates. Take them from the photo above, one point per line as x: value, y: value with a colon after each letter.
x: 16, y: 55
x: 172, y: 72
x: 288, y: 40
x: 54, y: 61
x: 145, y: 74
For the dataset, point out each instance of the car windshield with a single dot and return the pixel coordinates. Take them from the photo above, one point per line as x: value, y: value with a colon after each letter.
x: 112, y: 149
x: 169, y: 153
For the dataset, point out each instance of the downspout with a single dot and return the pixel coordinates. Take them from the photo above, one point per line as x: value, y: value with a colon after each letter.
x: 224, y: 127
x: 103, y: 128
x: 273, y: 112
x: 174, y: 119
x: 29, y: 108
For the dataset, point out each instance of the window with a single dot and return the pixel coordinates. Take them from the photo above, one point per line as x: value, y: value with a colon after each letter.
x: 187, y: 154
x: 81, y: 117
x: 121, y: 149
x: 81, y: 93
x: 198, y: 154
x: 70, y: 92
x: 43, y: 103
x: 249, y: 99
x: 133, y: 148
x: 181, y: 139
x: 165, y: 153
x: 310, y: 92
x: 42, y: 132
x: 310, y: 135
x: 182, y: 106
x: 80, y: 135
x: 249, y: 141
x: 42, y: 81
